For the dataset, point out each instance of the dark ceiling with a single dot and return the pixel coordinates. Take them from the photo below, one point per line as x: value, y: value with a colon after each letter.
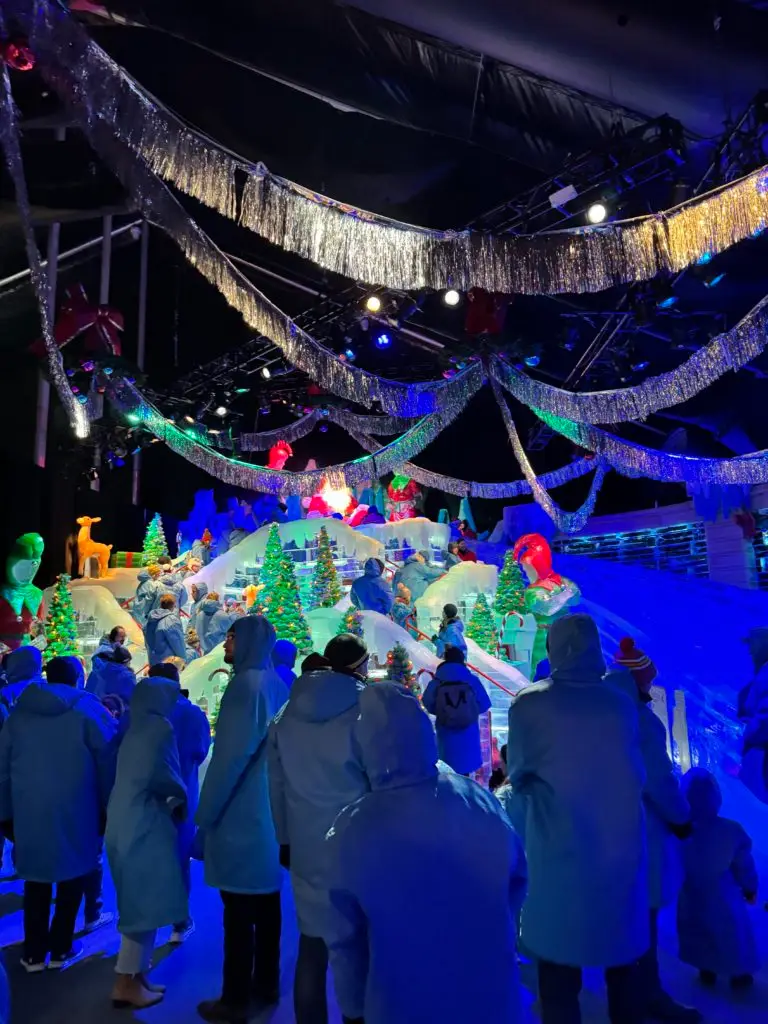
x: 440, y: 112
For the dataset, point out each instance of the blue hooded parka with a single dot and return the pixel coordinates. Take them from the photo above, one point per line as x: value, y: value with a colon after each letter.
x: 110, y: 676
x: 164, y: 636
x: 239, y: 845
x: 212, y: 624
x: 141, y: 838
x: 459, y: 748
x: 417, y: 576
x: 197, y: 603
x: 193, y: 740
x: 314, y: 772
x: 371, y: 592
x: 574, y: 753
x: 284, y: 659
x: 57, y: 766
x: 464, y: 913
x: 147, y: 595
x: 22, y: 667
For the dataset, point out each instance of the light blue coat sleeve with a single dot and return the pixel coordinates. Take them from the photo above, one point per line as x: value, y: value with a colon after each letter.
x: 429, y: 697
x: 241, y: 729
x: 101, y: 737
x: 277, y: 795
x: 662, y: 788
x: 166, y: 782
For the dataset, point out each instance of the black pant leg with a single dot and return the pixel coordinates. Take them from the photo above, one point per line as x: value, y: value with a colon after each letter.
x: 267, y: 917
x: 93, y: 885
x: 239, y: 946
x: 37, y: 912
x: 310, y: 1002
x: 68, y: 897
x: 626, y: 1000
x: 559, y: 990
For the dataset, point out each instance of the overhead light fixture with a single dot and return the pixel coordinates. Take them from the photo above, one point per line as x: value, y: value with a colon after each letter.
x: 706, y: 257
x: 451, y: 297
x: 213, y: 430
x: 713, y: 280
x: 221, y: 410
x: 265, y: 372
x: 189, y: 419
x: 597, y: 213
x: 562, y: 196
x: 383, y: 340
x: 373, y: 303
x: 532, y: 360
x: 132, y: 417
x: 642, y: 365
x: 350, y: 354
x: 665, y: 296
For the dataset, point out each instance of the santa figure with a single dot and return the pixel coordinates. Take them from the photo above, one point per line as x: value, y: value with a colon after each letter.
x: 21, y: 602
x: 401, y: 498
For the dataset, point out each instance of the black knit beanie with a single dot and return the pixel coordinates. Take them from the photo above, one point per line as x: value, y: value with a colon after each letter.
x: 346, y: 652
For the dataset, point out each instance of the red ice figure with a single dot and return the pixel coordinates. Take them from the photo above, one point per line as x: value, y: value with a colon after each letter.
x: 535, y: 554
x: 279, y: 454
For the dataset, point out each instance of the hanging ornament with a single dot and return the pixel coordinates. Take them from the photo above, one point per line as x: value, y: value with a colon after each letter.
x: 17, y: 53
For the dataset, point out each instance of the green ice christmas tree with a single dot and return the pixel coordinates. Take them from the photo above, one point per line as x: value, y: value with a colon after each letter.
x: 400, y: 669
x: 510, y: 593
x: 155, y: 543
x: 351, y: 622
x: 326, y: 589
x: 482, y: 625
x: 61, y: 625
x: 279, y: 600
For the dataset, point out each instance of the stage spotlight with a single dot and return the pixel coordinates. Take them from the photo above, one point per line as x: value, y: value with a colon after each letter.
x: 221, y: 410
x: 189, y: 419
x: 642, y: 365
x: 597, y: 213
x: 383, y: 340
x: 213, y: 430
x: 350, y: 354
x: 451, y: 297
x: 532, y: 360
x: 373, y: 303
x: 706, y: 257
x: 132, y: 417
x: 713, y: 280
x: 265, y: 372
x: 665, y: 296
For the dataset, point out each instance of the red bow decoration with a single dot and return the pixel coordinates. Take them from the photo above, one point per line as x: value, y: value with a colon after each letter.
x: 17, y: 54
x: 99, y: 324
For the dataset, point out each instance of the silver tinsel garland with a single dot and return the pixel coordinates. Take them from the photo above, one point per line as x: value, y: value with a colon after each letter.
x: 636, y: 460
x: 367, y: 247
x: 130, y: 401
x: 566, y: 522
x: 77, y: 414
x: 264, y: 439
x: 728, y: 351
x: 69, y: 73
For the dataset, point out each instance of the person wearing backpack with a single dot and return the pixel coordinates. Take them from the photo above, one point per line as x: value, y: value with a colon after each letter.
x: 457, y: 698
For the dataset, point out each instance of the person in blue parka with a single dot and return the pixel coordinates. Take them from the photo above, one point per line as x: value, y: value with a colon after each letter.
x: 212, y: 622
x: 193, y: 740
x: 713, y: 920
x: 111, y: 673
x: 22, y: 667
x: 198, y: 593
x: 240, y: 850
x: 417, y: 574
x: 574, y: 753
x: 164, y: 635
x: 284, y: 660
x: 141, y: 838
x: 371, y: 592
x: 315, y: 771
x: 457, y: 698
x: 57, y: 766
x: 170, y: 582
x: 414, y: 813
x: 147, y: 593
x: 667, y: 817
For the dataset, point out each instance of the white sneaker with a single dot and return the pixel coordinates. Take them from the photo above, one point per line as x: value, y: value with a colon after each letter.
x: 33, y: 966
x: 101, y: 921
x: 181, y: 934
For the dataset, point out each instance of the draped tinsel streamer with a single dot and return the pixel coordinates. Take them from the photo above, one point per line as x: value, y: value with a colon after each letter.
x: 71, y: 80
x: 368, y: 247
x: 728, y: 351
x: 566, y: 522
x: 264, y: 439
x: 636, y: 460
x: 77, y: 414
x: 473, y: 489
x: 130, y: 401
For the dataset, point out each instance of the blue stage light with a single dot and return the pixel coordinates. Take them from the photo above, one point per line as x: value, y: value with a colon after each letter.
x: 532, y: 360
x: 706, y: 257
x: 667, y: 302
x: 383, y: 341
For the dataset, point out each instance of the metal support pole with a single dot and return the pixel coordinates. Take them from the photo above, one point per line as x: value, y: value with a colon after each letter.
x: 141, y: 341
x: 106, y: 268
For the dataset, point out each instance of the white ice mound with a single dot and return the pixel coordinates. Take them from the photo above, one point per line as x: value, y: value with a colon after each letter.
x: 460, y: 586
x: 97, y: 601
x: 223, y: 568
x: 121, y: 583
x: 196, y: 677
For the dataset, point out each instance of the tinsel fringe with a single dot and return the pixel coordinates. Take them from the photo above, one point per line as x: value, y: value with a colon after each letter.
x: 728, y: 351
x: 566, y: 522
x: 264, y: 439
x: 635, y: 460
x: 161, y: 207
x: 384, y: 460
x: 77, y: 414
x: 378, y: 250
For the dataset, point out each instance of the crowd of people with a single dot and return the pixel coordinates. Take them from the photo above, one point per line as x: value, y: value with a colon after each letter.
x: 335, y: 780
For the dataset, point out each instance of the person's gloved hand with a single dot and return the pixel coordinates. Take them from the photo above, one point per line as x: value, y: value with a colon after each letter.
x: 285, y: 857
